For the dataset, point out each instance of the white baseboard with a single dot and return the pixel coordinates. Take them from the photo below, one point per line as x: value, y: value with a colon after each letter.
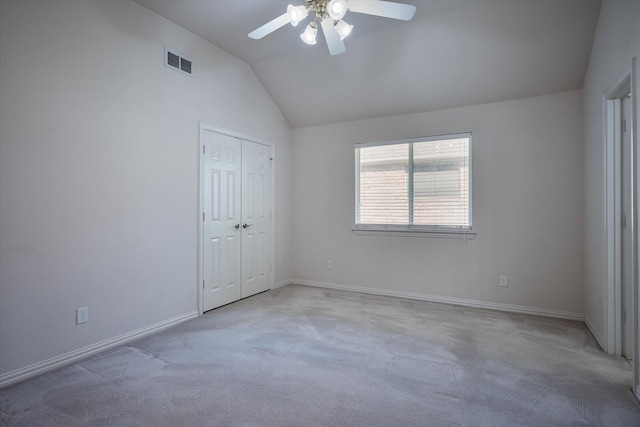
x: 447, y: 300
x: 281, y: 284
x: 595, y: 335
x: 56, y: 362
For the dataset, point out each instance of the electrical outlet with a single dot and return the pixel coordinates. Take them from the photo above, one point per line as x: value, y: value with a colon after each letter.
x: 82, y: 315
x: 504, y: 282
x: 329, y: 265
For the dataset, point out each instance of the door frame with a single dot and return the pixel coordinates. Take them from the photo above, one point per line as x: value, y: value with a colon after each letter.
x: 200, y: 273
x: 625, y: 84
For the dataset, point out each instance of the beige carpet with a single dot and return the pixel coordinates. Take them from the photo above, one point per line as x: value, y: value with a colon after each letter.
x: 302, y: 356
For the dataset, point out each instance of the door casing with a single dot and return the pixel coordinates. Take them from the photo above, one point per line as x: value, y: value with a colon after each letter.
x: 611, y: 102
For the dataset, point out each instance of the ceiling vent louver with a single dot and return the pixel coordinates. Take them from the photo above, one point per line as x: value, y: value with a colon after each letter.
x: 178, y: 62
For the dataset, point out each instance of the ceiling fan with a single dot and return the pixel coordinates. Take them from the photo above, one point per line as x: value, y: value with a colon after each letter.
x: 329, y: 14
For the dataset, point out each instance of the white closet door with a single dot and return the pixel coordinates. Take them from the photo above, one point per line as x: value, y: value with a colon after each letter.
x: 237, y: 220
x: 256, y: 218
x: 222, y: 251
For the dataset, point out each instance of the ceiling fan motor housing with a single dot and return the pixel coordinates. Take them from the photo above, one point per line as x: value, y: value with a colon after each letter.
x: 318, y: 6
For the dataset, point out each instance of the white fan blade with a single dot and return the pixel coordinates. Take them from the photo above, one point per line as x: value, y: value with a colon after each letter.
x: 335, y: 44
x: 386, y: 9
x: 270, y: 27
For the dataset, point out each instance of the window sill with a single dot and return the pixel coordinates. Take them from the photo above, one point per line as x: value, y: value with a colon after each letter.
x: 413, y: 232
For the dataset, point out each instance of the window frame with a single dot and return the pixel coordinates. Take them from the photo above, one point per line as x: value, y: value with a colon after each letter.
x: 414, y: 230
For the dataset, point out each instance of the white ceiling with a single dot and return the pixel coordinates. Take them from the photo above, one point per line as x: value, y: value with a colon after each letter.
x: 453, y: 53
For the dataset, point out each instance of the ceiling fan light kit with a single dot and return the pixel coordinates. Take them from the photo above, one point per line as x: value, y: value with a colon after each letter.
x: 343, y: 29
x: 309, y: 35
x: 337, y: 9
x: 296, y: 14
x: 329, y: 14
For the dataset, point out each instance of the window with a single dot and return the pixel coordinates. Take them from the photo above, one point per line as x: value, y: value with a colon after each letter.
x: 417, y: 185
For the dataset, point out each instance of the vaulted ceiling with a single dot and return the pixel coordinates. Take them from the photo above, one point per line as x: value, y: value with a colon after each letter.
x: 453, y: 53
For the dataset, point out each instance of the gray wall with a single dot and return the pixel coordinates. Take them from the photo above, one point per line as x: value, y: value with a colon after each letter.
x: 99, y: 170
x: 527, y: 208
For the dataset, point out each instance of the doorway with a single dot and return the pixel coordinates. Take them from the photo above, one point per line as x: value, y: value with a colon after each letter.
x: 236, y: 218
x: 619, y: 106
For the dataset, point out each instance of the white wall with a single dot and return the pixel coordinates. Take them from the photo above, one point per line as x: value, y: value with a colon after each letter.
x: 617, y: 40
x: 99, y: 170
x: 527, y: 208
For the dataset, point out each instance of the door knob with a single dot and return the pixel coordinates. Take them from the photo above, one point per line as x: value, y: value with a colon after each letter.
x: 245, y: 225
x: 237, y: 226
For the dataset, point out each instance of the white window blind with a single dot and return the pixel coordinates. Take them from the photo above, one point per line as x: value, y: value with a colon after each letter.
x: 418, y: 184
